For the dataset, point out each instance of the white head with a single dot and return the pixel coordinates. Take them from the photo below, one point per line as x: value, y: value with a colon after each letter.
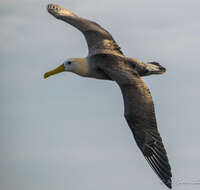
x: 75, y: 65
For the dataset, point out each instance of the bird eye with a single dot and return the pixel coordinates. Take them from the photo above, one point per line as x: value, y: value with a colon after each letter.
x: 69, y: 62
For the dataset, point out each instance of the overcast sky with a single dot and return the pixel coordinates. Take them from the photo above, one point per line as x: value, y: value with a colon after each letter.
x: 68, y: 132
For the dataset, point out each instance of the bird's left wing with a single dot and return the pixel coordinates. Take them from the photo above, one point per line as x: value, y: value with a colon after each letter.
x: 140, y: 115
x: 98, y: 39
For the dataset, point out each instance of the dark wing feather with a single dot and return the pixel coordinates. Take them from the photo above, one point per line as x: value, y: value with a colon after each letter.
x: 140, y: 115
x: 98, y: 39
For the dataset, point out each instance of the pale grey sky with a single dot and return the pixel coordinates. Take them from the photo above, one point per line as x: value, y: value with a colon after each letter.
x: 69, y: 132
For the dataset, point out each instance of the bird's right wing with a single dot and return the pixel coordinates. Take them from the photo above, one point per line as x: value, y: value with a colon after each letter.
x: 98, y: 39
x: 140, y: 115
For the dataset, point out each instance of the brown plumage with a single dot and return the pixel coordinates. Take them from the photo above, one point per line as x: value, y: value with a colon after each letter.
x: 106, y: 61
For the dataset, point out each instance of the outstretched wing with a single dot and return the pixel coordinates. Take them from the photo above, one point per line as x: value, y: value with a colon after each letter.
x: 98, y: 39
x: 140, y: 115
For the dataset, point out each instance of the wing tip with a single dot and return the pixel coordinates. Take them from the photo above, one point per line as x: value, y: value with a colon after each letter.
x: 165, y: 179
x: 168, y: 183
x: 165, y: 176
x: 59, y: 11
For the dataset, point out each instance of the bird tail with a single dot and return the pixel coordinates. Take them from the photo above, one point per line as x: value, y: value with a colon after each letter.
x: 145, y: 68
x: 154, y: 68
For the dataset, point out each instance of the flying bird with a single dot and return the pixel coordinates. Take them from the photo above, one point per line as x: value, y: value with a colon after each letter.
x: 105, y: 60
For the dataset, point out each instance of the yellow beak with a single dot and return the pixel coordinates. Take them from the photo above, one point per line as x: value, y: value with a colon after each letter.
x: 59, y: 69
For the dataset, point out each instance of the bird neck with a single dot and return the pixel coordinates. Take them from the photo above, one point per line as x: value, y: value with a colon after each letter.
x: 81, y: 66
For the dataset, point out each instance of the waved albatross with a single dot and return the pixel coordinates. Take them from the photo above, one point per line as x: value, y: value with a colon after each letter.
x: 106, y: 61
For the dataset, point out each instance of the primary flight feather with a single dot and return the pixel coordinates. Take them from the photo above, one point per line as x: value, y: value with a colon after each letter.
x: 106, y: 61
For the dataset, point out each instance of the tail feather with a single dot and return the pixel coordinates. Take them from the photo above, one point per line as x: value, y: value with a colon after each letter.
x: 155, y: 68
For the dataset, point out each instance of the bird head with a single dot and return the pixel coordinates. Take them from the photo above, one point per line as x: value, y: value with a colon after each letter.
x: 75, y: 65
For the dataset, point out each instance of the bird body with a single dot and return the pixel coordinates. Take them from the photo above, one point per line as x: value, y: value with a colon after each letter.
x: 106, y: 61
x: 87, y: 67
